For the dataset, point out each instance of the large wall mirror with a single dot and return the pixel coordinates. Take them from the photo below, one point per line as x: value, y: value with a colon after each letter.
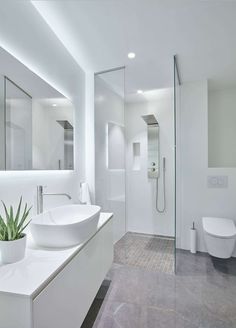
x: 36, y: 121
x: 222, y: 126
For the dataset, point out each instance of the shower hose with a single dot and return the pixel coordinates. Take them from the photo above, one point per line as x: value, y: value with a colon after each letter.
x: 164, y: 188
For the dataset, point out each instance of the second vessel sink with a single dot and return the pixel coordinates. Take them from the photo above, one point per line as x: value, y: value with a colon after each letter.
x: 65, y: 226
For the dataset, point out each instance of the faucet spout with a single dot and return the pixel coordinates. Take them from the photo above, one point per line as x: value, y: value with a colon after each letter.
x: 53, y: 194
x: 41, y: 194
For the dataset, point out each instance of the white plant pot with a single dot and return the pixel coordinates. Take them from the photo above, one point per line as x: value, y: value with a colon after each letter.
x: 13, y: 250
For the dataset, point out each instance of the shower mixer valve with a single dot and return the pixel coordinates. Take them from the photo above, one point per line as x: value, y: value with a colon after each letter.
x: 153, y: 167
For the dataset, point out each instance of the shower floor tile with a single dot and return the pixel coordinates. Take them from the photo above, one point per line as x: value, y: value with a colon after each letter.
x: 145, y: 251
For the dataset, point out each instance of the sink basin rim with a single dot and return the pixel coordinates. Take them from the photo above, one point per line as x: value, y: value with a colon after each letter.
x: 36, y: 219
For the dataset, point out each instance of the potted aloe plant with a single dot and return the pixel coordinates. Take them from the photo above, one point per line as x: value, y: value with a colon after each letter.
x: 12, y: 236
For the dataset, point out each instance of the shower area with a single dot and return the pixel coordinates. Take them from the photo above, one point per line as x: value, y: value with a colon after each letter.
x: 135, y: 175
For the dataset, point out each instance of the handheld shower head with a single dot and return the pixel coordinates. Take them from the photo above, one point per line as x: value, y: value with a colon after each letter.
x: 164, y: 163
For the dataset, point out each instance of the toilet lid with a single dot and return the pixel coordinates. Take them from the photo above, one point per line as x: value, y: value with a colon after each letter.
x: 219, y: 227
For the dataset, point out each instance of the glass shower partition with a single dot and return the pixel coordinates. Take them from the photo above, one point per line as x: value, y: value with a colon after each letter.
x: 177, y: 176
x: 109, y: 97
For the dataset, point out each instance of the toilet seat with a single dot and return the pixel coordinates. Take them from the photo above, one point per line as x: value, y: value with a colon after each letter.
x: 219, y: 227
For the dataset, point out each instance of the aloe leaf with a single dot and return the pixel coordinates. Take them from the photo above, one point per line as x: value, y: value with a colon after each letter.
x: 2, y: 229
x: 2, y: 222
x: 22, y: 229
x: 2, y: 235
x: 6, y: 212
x: 14, y: 231
x: 11, y: 215
x: 5, y: 234
x: 12, y: 224
x: 18, y: 211
x: 23, y: 219
x: 9, y: 235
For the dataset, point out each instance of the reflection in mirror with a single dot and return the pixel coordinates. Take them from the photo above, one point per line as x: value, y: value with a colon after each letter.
x: 18, y: 113
x: 36, y: 121
x: 52, y: 149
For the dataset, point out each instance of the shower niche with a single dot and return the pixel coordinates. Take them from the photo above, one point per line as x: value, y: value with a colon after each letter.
x: 136, y: 156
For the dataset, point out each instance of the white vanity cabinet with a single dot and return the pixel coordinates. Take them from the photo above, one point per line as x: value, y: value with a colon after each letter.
x: 65, y: 297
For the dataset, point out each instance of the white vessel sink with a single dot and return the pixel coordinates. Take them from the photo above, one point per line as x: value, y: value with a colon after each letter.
x: 65, y: 226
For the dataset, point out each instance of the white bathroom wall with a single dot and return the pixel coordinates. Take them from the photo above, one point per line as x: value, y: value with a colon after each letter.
x: 31, y: 40
x: 197, y: 200
x: 110, y: 182
x: 142, y: 216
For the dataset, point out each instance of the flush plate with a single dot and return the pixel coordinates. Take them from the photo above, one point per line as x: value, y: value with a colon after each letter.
x: 217, y: 181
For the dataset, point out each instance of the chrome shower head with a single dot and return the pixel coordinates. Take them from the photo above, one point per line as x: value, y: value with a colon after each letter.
x: 150, y: 119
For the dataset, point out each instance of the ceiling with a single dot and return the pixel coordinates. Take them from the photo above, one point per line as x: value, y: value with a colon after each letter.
x: 99, y: 34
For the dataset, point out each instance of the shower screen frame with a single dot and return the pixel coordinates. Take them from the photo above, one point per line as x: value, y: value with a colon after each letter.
x: 176, y: 89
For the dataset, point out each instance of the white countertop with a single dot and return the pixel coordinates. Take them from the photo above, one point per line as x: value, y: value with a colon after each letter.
x: 40, y: 265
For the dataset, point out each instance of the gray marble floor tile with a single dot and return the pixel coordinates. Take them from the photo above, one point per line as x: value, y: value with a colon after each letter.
x: 131, y: 285
x: 201, y: 295
x: 164, y: 318
x: 120, y: 315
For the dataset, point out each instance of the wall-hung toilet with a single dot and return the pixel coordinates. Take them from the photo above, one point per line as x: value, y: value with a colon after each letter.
x: 220, y: 236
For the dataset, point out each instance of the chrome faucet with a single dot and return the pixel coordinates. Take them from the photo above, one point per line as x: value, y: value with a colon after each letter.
x: 40, y: 195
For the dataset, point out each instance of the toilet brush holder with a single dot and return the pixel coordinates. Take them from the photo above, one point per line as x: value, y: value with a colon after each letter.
x: 193, y: 240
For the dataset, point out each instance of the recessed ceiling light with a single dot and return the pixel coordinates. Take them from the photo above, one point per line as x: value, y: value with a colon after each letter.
x: 131, y: 55
x: 140, y: 92
x: 54, y: 105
